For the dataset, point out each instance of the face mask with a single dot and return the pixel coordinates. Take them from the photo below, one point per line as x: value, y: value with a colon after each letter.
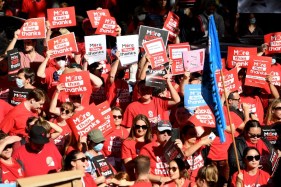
x: 19, y: 82
x: 273, y: 61
x: 141, y: 17
x: 252, y: 20
x: 61, y: 63
x: 98, y: 147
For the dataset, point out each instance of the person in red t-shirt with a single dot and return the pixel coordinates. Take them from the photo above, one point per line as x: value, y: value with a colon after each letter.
x: 142, y: 167
x: 251, y: 175
x: 38, y: 156
x: 252, y: 137
x: 15, y: 120
x: 4, y: 109
x: 76, y: 160
x: 113, y: 141
x: 159, y: 173
x: 154, y: 108
x: 34, y: 8
x: 140, y: 135
x: 11, y: 170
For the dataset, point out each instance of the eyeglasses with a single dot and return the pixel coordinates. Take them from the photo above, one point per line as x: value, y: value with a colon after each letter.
x: 251, y: 158
x: 9, y: 146
x: 83, y: 159
x: 277, y: 108
x: 174, y: 169
x: 144, y: 127
x: 254, y: 135
x: 117, y: 117
x: 64, y: 110
x: 166, y: 131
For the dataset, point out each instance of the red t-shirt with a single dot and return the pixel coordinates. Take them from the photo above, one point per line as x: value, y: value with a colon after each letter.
x: 259, y: 179
x: 158, y: 163
x: 155, y: 111
x: 118, y: 94
x: 195, y: 162
x: 256, y: 106
x: 49, y: 80
x: 142, y: 184
x: 131, y: 148
x: 113, y: 142
x: 235, y: 119
x: 34, y: 9
x: 10, y: 173
x: 15, y: 120
x: 89, y: 181
x: 4, y: 109
x: 47, y: 160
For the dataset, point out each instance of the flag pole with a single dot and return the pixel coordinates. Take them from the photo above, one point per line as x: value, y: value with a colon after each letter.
x: 230, y: 121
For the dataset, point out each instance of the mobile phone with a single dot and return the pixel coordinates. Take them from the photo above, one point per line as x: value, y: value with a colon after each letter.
x: 212, y: 136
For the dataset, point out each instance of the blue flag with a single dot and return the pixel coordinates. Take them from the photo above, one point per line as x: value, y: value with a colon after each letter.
x: 210, y: 91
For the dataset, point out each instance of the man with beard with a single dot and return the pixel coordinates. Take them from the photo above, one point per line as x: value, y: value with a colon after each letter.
x: 14, y: 122
x: 29, y: 56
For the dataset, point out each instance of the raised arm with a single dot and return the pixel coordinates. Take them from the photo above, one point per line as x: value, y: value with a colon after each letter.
x: 114, y: 68
x: 42, y: 68
x: 175, y: 98
x: 53, y: 104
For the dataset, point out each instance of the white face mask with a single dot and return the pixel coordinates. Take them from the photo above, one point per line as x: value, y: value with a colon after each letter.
x: 141, y: 17
x: 19, y: 83
x: 61, y: 63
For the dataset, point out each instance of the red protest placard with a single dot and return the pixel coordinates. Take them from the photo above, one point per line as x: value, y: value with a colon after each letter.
x: 171, y: 24
x: 105, y: 110
x: 156, y: 50
x: 204, y: 117
x: 82, y: 122
x: 62, y: 45
x: 76, y: 82
x: 273, y: 40
x: 95, y: 16
x: 61, y: 17
x: 107, y: 26
x: 33, y: 28
x: 177, y: 67
x: 231, y: 81
x: 276, y: 74
x: 258, y: 69
x: 240, y: 56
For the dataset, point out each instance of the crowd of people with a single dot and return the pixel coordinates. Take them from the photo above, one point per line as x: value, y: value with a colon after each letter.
x: 36, y: 139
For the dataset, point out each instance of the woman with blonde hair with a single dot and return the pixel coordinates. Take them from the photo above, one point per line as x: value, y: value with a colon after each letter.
x: 207, y: 176
x: 273, y: 112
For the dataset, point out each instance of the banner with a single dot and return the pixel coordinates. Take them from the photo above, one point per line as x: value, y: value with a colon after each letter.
x: 76, y: 83
x: 273, y: 40
x: 103, y: 168
x: 95, y: 46
x: 172, y: 151
x: 62, y: 45
x: 231, y: 81
x: 240, y: 56
x: 82, y: 122
x: 177, y: 67
x: 193, y: 97
x: 172, y: 25
x: 194, y: 60
x: 258, y: 69
x: 33, y: 28
x: 150, y: 33
x: 61, y: 17
x: 128, y: 48
x: 14, y: 63
x: 107, y: 26
x: 157, y: 52
x: 154, y: 77
x: 276, y: 74
x: 210, y: 91
x: 105, y: 110
x: 270, y: 133
x: 203, y: 117
x: 17, y: 95
x: 95, y: 16
x: 176, y: 50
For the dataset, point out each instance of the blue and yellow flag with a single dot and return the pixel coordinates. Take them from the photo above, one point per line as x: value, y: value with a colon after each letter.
x: 210, y: 91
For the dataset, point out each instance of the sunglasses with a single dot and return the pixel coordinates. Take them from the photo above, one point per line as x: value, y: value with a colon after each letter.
x: 83, y: 159
x: 254, y: 135
x: 117, y: 117
x: 9, y: 146
x: 174, y: 169
x: 65, y: 110
x: 251, y: 158
x: 166, y: 131
x: 144, y: 127
x: 277, y: 108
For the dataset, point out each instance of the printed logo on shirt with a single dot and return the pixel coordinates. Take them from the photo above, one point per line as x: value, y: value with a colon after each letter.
x: 50, y: 161
x: 161, y: 166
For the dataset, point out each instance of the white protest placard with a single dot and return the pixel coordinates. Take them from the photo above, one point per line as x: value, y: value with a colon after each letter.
x: 128, y: 48
x: 194, y: 60
x: 95, y: 46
